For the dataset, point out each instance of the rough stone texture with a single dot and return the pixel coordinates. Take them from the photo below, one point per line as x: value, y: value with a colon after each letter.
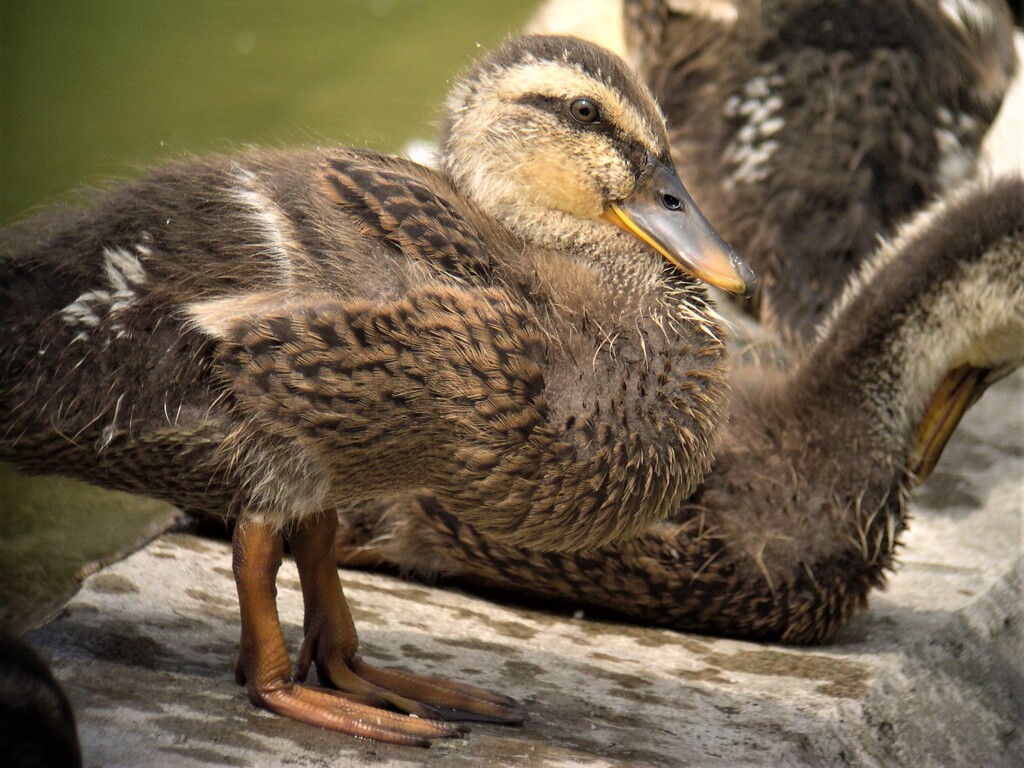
x: 931, y: 674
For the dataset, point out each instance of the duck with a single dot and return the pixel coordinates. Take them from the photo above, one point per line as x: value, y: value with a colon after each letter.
x: 262, y: 337
x: 811, y: 128
x: 807, y: 500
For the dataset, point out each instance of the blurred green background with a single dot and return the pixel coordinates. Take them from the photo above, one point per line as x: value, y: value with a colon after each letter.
x: 95, y: 90
x: 92, y: 90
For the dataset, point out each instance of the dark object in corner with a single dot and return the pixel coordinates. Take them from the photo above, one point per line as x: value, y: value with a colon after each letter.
x: 37, y: 726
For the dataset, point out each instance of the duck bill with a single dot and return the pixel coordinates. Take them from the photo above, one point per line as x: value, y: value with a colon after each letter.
x: 957, y: 392
x: 663, y: 215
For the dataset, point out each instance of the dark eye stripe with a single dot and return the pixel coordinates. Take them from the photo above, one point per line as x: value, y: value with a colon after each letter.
x: 560, y: 108
x: 588, y: 60
x: 632, y: 150
x: 553, y: 104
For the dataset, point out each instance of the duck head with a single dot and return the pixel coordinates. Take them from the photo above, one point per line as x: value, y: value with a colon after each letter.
x: 557, y: 139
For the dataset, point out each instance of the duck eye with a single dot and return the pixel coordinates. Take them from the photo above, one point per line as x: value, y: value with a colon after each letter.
x: 671, y: 202
x: 585, y: 111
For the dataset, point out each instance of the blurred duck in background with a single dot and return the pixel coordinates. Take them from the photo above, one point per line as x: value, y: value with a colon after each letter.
x: 816, y: 129
x: 813, y: 127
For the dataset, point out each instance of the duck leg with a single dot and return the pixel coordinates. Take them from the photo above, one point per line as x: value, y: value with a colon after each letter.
x: 263, y: 665
x: 331, y: 642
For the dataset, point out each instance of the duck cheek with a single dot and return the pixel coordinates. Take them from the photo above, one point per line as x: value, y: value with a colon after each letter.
x: 555, y: 183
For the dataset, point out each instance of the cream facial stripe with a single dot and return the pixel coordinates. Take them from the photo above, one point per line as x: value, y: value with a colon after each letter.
x: 556, y: 79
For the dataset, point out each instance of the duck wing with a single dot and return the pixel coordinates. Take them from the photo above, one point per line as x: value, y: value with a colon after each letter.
x: 412, y: 208
x: 436, y: 389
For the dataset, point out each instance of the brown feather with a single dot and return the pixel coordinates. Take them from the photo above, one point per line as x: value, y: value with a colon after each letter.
x: 802, y: 513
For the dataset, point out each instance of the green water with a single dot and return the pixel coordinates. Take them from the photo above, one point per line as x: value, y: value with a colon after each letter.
x: 55, y: 531
x: 91, y: 91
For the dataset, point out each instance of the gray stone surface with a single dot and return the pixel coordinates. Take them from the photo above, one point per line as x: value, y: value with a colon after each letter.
x: 931, y: 674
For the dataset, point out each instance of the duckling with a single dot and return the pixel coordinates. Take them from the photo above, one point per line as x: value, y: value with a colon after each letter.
x: 804, y: 507
x: 267, y: 336
x: 809, y: 128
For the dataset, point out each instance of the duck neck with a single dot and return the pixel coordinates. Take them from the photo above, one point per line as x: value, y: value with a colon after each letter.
x: 610, y: 285
x: 948, y: 292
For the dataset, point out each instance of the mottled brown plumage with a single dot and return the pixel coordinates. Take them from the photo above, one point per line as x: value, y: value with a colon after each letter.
x: 804, y: 507
x: 267, y: 336
x: 809, y: 128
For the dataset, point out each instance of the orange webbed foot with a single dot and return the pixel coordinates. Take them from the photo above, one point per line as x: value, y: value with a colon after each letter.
x: 425, y: 696
x: 263, y: 665
x: 332, y: 645
x: 337, y: 711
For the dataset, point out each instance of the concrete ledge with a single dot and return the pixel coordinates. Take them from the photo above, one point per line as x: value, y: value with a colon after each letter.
x: 932, y: 674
